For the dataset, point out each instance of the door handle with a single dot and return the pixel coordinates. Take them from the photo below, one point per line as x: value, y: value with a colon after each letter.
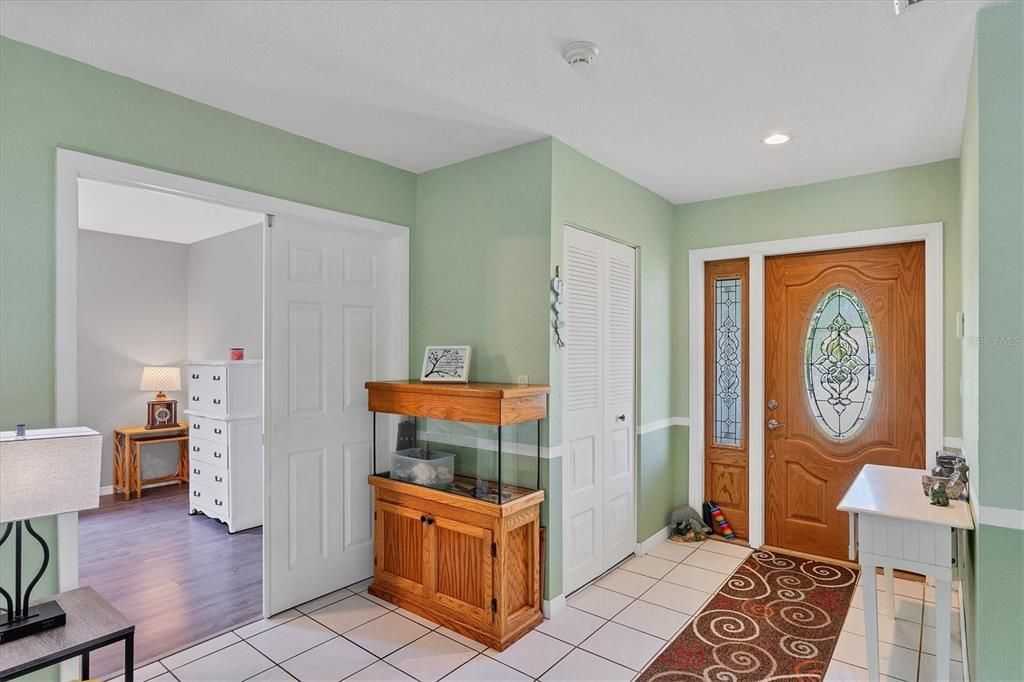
x: 621, y: 418
x: 774, y: 425
x: 423, y: 519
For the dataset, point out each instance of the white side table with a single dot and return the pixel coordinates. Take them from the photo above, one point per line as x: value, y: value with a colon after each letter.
x: 894, y: 525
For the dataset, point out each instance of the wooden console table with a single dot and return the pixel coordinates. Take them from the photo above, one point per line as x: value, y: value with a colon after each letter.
x: 92, y: 623
x: 894, y: 525
x: 128, y: 442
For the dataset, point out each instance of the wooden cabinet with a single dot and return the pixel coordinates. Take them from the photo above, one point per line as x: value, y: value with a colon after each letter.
x: 461, y: 559
x: 470, y: 565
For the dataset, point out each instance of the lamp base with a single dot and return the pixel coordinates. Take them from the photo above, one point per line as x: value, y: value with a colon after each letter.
x: 41, y: 617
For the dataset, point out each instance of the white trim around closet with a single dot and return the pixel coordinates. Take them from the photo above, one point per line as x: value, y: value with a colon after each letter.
x: 929, y: 233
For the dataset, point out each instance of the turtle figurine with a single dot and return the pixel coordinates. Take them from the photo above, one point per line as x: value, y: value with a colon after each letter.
x: 938, y: 494
x: 958, y: 481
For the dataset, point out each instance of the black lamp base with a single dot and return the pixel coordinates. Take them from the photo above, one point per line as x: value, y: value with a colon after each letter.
x: 41, y: 617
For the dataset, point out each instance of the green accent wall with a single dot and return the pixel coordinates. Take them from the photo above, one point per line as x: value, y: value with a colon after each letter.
x: 48, y: 101
x: 992, y: 201
x: 586, y: 194
x: 905, y: 196
x: 488, y: 237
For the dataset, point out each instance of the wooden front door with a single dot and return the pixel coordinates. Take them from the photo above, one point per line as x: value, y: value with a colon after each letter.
x: 844, y: 383
x: 725, y: 390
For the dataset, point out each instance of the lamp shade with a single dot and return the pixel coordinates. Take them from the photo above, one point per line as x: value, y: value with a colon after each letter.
x: 49, y: 471
x: 160, y: 379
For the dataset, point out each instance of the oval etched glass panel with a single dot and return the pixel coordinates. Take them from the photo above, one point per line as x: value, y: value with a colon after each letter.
x: 840, y: 364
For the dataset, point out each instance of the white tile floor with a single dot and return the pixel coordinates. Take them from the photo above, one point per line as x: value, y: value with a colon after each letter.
x: 609, y: 631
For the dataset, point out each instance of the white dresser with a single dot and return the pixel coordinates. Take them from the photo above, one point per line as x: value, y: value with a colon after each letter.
x: 225, y: 414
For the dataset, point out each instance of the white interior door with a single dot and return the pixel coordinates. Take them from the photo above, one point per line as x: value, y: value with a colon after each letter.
x: 329, y: 325
x: 599, y: 508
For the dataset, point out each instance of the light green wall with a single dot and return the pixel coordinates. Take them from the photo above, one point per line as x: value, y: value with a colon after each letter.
x: 904, y: 196
x: 47, y: 101
x: 592, y: 196
x: 488, y: 235
x: 478, y: 262
x: 992, y: 200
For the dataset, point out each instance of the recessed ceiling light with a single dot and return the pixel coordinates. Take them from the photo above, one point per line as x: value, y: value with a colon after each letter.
x: 776, y: 138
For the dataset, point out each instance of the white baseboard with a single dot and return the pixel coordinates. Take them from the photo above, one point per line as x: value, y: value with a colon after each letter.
x: 653, y: 541
x: 109, y: 489
x: 554, y: 606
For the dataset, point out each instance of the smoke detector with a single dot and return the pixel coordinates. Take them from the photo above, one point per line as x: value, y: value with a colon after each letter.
x: 580, y: 54
x: 903, y: 5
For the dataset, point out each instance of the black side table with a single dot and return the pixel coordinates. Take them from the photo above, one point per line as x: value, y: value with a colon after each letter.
x: 92, y: 623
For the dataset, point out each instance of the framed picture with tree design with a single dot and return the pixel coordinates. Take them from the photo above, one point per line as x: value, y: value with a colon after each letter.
x: 446, y: 364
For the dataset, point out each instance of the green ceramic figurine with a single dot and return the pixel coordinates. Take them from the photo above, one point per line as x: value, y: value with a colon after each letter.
x: 938, y: 494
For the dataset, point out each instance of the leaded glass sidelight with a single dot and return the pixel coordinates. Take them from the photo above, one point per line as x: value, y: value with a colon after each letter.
x: 728, y: 354
x: 840, y: 363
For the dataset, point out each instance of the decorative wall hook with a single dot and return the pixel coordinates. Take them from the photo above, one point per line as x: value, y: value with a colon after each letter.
x: 557, y: 323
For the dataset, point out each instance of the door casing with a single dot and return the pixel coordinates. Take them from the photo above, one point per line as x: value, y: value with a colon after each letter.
x: 929, y: 233
x: 72, y: 165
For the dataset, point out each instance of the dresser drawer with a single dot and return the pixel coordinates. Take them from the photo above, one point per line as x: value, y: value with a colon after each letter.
x: 207, y: 475
x: 207, y: 388
x: 211, y: 500
x: 208, y: 452
x: 204, y: 428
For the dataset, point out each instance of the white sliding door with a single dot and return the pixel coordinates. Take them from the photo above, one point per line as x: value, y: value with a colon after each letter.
x: 599, y: 375
x: 332, y: 297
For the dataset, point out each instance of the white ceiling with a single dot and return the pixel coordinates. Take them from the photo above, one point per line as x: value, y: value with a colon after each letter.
x: 149, y: 214
x: 678, y: 100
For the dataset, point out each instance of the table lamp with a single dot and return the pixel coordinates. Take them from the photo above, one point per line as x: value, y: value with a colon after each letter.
x: 42, y: 473
x: 161, y: 413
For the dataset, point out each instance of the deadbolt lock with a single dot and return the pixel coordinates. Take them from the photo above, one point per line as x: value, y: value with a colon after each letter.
x: 773, y: 404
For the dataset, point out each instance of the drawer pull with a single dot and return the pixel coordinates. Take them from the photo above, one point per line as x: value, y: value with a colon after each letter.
x: 196, y: 427
x: 423, y: 519
x: 196, y: 493
x: 218, y: 502
x: 195, y: 448
x: 195, y: 399
x: 430, y: 521
x: 195, y: 376
x: 219, y: 479
x: 218, y: 455
x: 216, y: 377
x: 196, y: 471
x: 216, y: 401
x: 218, y: 431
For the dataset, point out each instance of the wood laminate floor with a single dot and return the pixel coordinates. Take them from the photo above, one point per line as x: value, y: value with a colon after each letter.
x: 179, y: 578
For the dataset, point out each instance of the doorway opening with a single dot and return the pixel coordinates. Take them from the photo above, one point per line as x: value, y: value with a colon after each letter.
x: 359, y: 269
x: 167, y: 286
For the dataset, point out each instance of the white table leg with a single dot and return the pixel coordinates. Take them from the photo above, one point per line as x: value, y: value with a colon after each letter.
x: 943, y: 599
x: 890, y: 591
x: 867, y: 586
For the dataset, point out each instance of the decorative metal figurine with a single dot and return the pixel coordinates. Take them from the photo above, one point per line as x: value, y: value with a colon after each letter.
x: 958, y: 481
x: 938, y: 494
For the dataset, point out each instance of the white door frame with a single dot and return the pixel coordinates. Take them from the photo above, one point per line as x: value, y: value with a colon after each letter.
x: 73, y: 165
x: 929, y: 233
x: 563, y: 445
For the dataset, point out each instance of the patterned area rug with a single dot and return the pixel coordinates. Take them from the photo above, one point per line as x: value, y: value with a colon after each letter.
x: 777, y: 617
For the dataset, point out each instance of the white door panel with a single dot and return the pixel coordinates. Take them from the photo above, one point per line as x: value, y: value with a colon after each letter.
x: 599, y: 506
x: 327, y: 313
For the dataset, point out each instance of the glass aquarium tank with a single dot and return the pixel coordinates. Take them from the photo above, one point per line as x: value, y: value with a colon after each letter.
x: 474, y: 440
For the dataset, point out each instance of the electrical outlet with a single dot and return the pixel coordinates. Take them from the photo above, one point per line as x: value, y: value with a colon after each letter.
x: 523, y: 379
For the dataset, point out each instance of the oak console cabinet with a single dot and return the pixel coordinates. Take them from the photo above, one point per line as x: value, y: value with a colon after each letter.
x: 472, y: 565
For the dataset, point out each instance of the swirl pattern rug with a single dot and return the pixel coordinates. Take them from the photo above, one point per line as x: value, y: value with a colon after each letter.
x: 777, y: 617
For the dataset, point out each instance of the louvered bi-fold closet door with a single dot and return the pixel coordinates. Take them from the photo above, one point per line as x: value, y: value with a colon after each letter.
x: 599, y: 365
